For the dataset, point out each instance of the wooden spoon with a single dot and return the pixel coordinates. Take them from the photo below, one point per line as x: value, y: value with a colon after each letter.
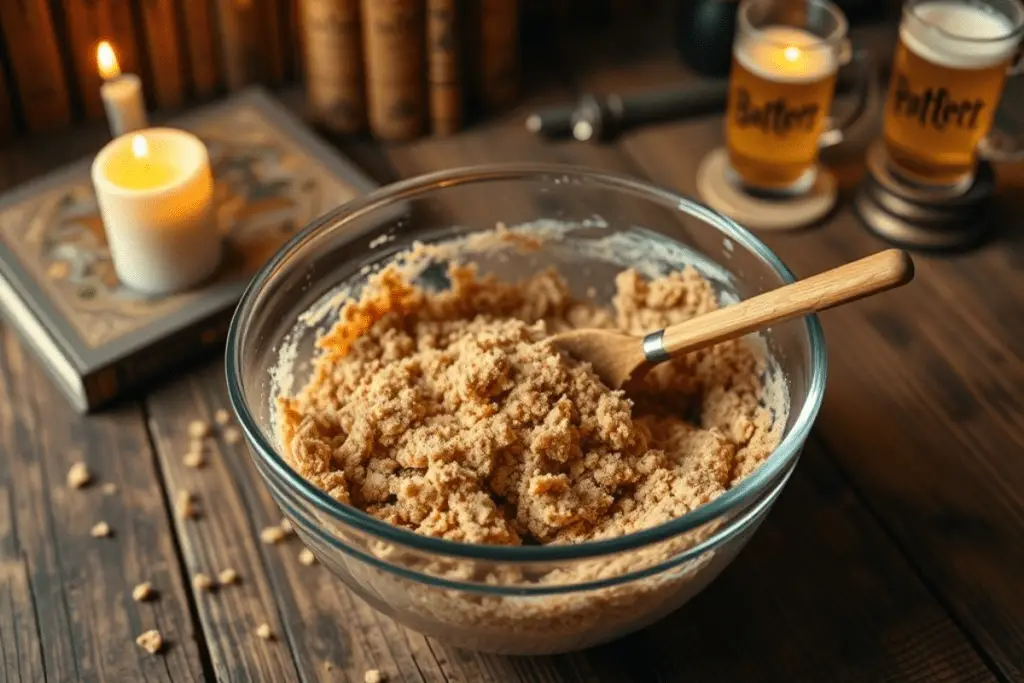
x: 617, y: 356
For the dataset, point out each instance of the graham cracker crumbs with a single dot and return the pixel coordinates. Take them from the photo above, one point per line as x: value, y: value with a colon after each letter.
x: 150, y: 641
x: 452, y: 415
x: 264, y: 632
x: 307, y: 557
x: 232, y: 435
x: 222, y: 417
x: 226, y: 577
x: 143, y: 592
x: 100, y: 530
x: 198, y: 429
x: 194, y: 459
x: 286, y: 526
x: 184, y: 503
x: 109, y: 489
x: 78, y: 476
x: 271, y: 535
x: 202, y: 582
x: 373, y: 676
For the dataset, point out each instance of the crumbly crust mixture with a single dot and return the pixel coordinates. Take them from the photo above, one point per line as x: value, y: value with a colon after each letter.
x: 452, y: 415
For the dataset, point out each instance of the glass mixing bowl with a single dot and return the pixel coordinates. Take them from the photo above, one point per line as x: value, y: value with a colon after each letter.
x: 527, y: 599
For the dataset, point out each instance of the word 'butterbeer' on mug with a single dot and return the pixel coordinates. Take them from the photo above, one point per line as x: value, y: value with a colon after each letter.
x: 780, y: 90
x: 948, y: 76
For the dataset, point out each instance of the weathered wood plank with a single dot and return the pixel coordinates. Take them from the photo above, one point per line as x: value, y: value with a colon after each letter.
x: 66, y: 612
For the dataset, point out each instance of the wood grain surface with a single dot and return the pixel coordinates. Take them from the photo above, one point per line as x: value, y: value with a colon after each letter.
x: 894, y: 554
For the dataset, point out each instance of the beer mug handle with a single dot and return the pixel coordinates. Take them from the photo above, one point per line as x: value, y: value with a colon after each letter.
x: 866, y: 87
x: 999, y: 144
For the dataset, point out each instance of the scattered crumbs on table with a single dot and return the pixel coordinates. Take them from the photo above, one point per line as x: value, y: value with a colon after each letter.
x: 373, y: 676
x: 232, y: 435
x: 328, y: 665
x: 143, y: 592
x: 109, y: 489
x: 195, y: 459
x: 307, y: 557
x: 198, y: 429
x: 101, y: 530
x: 79, y: 475
x: 286, y: 526
x: 222, y: 417
x: 202, y: 582
x: 185, y: 505
x: 228, y: 576
x: 150, y: 641
x: 264, y: 632
x: 271, y: 535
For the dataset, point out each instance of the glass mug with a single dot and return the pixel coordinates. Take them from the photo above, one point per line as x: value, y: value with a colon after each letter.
x: 948, y: 76
x: 786, y: 57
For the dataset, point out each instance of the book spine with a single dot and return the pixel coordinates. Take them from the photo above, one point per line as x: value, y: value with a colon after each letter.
x: 88, y: 23
x: 36, y: 62
x: 444, y: 76
x: 240, y: 42
x: 201, y: 44
x: 166, y: 61
x: 334, y: 63
x: 499, y: 53
x: 273, y: 41
x: 393, y: 37
x: 6, y: 114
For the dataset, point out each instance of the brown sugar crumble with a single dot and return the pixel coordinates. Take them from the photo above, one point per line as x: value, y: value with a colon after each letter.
x: 109, y: 489
x: 286, y: 526
x: 264, y: 632
x: 101, y: 530
x: 194, y: 459
x: 222, y: 417
x: 184, y: 503
x: 78, y: 476
x: 373, y: 676
x: 150, y: 641
x: 271, y: 535
x: 143, y: 592
x: 452, y: 415
x: 232, y: 435
x: 306, y: 557
x: 226, y: 577
x: 198, y: 429
x: 202, y: 582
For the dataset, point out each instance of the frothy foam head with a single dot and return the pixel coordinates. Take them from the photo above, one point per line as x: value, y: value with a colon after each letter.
x: 785, y: 54
x: 958, y: 35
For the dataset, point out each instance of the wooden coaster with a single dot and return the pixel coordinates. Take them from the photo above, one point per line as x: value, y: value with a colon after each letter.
x: 763, y: 213
x: 916, y: 217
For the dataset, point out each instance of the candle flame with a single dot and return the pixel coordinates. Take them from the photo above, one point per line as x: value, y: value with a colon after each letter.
x: 106, y: 60
x: 791, y: 53
x: 140, y: 147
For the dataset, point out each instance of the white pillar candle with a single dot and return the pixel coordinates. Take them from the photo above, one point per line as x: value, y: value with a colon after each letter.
x: 121, y: 94
x: 155, y: 194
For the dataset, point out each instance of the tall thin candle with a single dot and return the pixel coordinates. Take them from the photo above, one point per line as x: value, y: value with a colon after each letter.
x: 121, y: 93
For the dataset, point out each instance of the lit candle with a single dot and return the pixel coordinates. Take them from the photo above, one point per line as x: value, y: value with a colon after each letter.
x: 121, y: 93
x: 155, y: 194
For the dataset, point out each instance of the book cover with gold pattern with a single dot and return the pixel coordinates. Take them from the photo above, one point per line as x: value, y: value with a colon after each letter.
x: 100, y: 340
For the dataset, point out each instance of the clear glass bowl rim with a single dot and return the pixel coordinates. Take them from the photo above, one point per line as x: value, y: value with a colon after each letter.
x: 753, y: 486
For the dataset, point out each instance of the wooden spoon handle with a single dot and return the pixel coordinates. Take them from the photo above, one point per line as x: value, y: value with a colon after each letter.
x: 870, y: 275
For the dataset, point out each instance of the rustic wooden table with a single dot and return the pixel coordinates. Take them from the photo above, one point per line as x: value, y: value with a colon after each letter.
x: 896, y: 553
